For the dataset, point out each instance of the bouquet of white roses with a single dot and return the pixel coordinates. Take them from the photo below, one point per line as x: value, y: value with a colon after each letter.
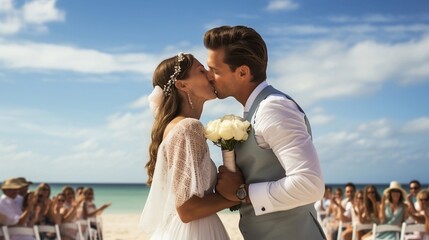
x: 225, y: 133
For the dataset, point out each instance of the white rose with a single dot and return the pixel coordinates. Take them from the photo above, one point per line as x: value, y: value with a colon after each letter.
x: 212, y: 130
x: 238, y: 130
x: 226, y: 130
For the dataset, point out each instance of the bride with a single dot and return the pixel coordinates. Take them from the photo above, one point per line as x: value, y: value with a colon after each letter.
x: 181, y: 203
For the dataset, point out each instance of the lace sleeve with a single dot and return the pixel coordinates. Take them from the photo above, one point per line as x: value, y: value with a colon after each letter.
x: 186, y: 159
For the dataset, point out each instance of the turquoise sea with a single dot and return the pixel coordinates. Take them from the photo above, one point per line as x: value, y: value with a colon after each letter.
x: 131, y: 198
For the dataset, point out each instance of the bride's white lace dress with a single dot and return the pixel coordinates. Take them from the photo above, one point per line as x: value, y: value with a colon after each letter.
x: 183, y: 169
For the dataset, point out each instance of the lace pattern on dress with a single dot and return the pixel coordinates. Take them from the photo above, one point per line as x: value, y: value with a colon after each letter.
x: 186, y: 161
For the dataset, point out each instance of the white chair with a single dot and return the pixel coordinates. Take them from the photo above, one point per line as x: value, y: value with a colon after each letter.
x: 411, y: 228
x: 340, y: 230
x: 48, y: 229
x: 23, y: 231
x: 379, y: 228
x: 3, y: 233
x: 71, y: 227
x: 359, y: 227
x: 95, y: 221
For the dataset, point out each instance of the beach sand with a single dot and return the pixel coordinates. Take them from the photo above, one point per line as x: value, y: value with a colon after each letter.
x: 125, y: 226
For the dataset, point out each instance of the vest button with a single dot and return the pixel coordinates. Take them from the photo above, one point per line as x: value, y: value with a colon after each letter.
x: 263, y: 208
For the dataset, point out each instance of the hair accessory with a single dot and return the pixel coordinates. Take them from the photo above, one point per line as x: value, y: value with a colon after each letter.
x: 155, y: 99
x: 173, y: 78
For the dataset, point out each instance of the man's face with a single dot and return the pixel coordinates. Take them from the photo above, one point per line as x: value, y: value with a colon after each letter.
x: 12, y: 193
x: 414, y: 189
x: 220, y: 75
x: 349, y: 192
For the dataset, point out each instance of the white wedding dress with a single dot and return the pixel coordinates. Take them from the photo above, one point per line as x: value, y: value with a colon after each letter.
x: 183, y: 169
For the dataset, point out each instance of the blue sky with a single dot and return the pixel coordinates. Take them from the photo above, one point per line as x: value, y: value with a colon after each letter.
x: 75, y: 75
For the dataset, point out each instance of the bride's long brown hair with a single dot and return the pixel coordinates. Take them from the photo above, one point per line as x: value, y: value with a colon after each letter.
x: 169, y: 108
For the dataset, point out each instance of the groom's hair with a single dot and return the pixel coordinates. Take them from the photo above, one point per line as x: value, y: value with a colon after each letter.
x: 242, y: 46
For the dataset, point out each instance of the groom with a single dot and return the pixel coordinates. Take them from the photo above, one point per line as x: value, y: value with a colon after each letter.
x: 278, y: 162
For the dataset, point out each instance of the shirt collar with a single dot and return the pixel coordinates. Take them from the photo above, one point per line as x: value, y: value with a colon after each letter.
x: 254, y: 94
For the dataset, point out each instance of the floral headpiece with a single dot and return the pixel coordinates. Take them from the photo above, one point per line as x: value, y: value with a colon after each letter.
x: 173, y: 78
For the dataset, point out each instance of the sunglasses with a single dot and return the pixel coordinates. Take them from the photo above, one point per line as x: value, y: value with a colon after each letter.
x: 423, y: 199
x: 414, y: 188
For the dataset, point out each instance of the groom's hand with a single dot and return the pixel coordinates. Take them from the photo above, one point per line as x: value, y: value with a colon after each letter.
x: 228, y: 183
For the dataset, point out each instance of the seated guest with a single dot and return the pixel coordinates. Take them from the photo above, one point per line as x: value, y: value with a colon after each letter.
x: 393, y: 209
x: 422, y: 215
x: 8, y: 208
x: 353, y: 211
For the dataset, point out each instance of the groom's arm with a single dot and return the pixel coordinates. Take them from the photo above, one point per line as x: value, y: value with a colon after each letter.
x: 280, y: 126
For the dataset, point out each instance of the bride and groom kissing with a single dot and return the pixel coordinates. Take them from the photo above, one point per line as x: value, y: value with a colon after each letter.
x: 278, y: 176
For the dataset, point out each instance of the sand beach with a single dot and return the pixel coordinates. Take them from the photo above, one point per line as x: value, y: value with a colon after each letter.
x: 119, y: 226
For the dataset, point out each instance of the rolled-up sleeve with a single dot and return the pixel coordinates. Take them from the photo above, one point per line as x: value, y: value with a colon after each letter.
x: 279, y: 125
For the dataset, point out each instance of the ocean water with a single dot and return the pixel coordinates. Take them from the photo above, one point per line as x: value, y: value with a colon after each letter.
x: 131, y: 198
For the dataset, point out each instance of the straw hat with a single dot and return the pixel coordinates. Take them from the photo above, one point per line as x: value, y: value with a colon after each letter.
x: 395, y: 185
x: 24, y: 181
x: 12, y: 183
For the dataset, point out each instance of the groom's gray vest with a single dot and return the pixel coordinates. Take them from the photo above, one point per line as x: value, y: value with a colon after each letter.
x: 261, y: 165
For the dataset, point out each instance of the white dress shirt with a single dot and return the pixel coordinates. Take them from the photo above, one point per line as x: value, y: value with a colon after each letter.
x: 10, y: 209
x: 280, y: 126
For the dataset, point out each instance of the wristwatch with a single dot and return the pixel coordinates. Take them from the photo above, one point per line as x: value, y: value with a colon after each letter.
x: 242, y: 193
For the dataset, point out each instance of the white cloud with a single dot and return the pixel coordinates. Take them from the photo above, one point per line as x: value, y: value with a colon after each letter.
x: 278, y: 5
x: 318, y: 117
x: 418, y: 125
x: 39, y: 56
x: 33, y: 14
x: 42, y: 11
x: 332, y: 69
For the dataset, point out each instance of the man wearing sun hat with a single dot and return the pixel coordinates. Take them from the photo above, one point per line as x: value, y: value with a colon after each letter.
x: 13, y: 214
x: 23, y: 190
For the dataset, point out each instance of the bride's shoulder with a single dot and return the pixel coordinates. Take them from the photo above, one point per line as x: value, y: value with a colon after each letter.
x: 182, y: 125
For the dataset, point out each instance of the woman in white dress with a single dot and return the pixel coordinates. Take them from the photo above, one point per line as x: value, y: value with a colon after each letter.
x: 181, y: 203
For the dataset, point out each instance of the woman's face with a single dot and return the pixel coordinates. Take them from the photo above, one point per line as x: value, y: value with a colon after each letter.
x: 359, y: 197
x: 395, y: 194
x: 198, y: 83
x: 69, y: 195
x: 423, y: 200
x: 45, y: 190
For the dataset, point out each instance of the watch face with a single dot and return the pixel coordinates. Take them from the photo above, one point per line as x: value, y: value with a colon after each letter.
x: 241, y: 193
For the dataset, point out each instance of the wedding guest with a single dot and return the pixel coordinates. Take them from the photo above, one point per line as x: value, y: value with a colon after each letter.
x: 349, y: 190
x: 279, y: 176
x: 89, y: 208
x: 371, y: 211
x: 30, y: 202
x: 393, y: 209
x: 421, y: 215
x: 69, y: 212
x: 334, y: 211
x: 43, y: 193
x: 357, y: 207
x: 322, y: 206
x: 414, y: 188
x: 12, y: 213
